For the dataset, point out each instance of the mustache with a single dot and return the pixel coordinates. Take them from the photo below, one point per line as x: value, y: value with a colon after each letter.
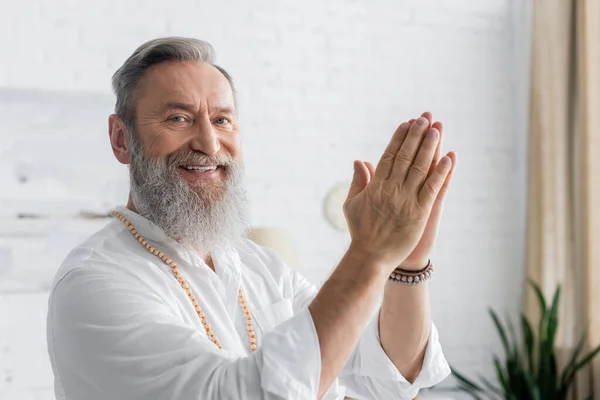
x: 185, y: 157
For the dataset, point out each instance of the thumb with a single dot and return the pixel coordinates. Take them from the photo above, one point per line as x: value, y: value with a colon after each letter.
x: 360, y: 180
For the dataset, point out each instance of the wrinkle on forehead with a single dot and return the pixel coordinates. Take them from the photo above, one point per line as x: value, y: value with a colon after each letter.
x: 200, y: 84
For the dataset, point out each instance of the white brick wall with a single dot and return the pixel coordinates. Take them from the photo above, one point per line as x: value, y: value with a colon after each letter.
x: 321, y: 83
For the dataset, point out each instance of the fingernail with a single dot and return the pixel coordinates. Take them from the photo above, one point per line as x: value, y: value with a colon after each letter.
x: 422, y: 121
x: 445, y: 162
x: 404, y: 125
x: 432, y: 133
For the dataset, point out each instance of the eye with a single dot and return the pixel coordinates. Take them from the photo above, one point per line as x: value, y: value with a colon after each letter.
x: 178, y: 119
x: 222, y: 121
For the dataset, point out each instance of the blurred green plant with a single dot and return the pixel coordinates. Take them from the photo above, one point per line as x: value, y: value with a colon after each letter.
x: 529, y: 371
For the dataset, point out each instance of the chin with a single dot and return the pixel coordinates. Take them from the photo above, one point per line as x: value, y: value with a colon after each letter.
x: 209, y: 190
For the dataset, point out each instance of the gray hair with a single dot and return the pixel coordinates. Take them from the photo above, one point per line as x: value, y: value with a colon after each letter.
x: 125, y: 80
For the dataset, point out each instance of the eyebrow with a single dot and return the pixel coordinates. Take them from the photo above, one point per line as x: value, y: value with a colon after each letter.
x: 224, y: 110
x: 170, y: 105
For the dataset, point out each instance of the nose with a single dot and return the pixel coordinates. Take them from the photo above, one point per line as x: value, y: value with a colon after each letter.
x: 205, y: 138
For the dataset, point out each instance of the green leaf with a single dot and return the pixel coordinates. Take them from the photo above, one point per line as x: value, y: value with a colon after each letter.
x: 547, y: 381
x: 547, y: 376
x: 586, y: 360
x: 513, y: 342
x: 502, y: 333
x: 490, y: 386
x: 539, y: 294
x: 542, y: 334
x: 465, y: 381
x: 554, y: 368
x: 515, y: 365
x: 572, y: 362
x: 502, y: 377
x: 553, y: 319
x: 534, y: 391
x: 553, y: 382
x: 528, y: 339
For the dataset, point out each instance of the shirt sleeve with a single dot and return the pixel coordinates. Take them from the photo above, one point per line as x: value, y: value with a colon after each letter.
x: 369, y: 373
x: 112, y: 338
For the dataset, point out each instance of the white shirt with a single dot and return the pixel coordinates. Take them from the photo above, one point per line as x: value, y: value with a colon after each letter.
x: 121, y: 327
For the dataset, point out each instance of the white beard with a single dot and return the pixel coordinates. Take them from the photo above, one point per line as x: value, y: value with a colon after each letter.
x: 208, y: 216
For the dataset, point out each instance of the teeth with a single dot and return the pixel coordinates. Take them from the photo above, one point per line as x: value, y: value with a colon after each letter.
x: 201, y: 169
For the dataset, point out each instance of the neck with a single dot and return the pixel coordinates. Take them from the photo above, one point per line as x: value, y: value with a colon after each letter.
x: 130, y: 205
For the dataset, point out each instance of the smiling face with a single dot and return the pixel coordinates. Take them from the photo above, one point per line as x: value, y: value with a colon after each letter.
x: 186, y: 114
x: 184, y: 153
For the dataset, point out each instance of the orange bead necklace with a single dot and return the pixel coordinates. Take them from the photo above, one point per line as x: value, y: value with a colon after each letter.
x: 186, y: 287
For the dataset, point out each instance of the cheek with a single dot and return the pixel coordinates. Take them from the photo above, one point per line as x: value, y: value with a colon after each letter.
x: 232, y: 144
x: 161, y: 143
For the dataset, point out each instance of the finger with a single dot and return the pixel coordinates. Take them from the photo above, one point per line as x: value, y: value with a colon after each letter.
x: 442, y: 193
x: 432, y: 186
x: 360, y: 180
x: 409, y: 148
x: 370, y: 167
x: 438, y: 151
x: 438, y: 206
x: 428, y: 116
x: 386, y: 163
x: 417, y: 173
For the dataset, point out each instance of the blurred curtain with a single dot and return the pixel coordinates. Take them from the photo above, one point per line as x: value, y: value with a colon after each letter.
x: 563, y: 216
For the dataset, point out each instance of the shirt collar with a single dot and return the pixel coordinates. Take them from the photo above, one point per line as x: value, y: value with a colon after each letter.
x: 227, y: 262
x: 147, y: 228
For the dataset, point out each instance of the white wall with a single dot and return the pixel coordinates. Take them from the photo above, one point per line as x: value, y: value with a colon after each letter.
x: 321, y: 84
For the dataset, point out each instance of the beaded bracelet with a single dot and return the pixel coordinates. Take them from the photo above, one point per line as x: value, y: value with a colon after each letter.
x: 408, y: 277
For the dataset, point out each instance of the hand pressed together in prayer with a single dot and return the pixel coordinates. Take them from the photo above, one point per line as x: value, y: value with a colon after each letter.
x: 394, y: 211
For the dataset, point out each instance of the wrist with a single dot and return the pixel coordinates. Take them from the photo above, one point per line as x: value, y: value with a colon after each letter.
x: 369, y: 259
x: 414, y: 265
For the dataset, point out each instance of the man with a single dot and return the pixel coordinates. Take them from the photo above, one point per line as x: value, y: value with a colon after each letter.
x: 170, y: 301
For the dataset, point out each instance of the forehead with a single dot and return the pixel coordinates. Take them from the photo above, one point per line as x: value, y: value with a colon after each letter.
x: 200, y: 84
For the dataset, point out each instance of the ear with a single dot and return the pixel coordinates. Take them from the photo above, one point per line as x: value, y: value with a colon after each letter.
x: 118, y: 139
